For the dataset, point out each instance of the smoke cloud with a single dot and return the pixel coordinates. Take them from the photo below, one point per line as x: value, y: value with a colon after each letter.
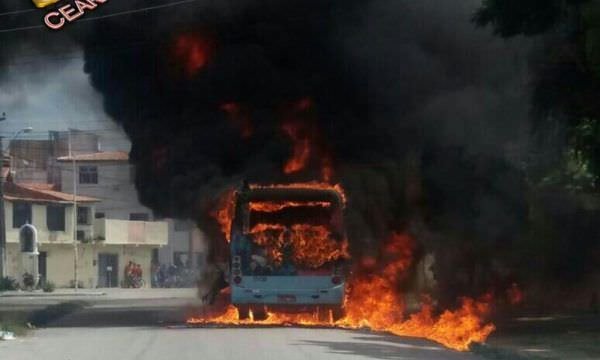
x: 411, y: 106
x: 388, y: 83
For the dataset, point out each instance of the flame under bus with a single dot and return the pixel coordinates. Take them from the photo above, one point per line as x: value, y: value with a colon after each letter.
x: 288, y: 248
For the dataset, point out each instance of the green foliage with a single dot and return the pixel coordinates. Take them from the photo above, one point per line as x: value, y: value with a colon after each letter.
x: 8, y: 283
x: 514, y: 17
x: 18, y: 328
x: 585, y: 139
x: 28, y: 281
x: 567, y: 79
x: 48, y: 286
x: 574, y: 174
x: 79, y: 284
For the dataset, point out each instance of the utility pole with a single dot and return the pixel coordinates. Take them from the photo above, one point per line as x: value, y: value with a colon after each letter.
x: 74, y: 218
x: 3, y: 271
x: 2, y: 217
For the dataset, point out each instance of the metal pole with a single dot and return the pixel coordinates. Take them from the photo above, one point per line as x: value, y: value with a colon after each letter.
x: 75, y: 247
x: 2, y: 222
x: 3, y: 271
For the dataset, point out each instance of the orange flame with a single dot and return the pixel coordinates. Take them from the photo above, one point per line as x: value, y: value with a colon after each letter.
x: 307, y: 143
x: 225, y: 205
x: 192, y: 52
x: 239, y: 118
x: 326, y: 169
x: 274, y: 206
x: 514, y: 294
x: 301, y: 147
x: 374, y: 301
x: 306, y: 185
x: 312, y: 245
x: 224, y: 212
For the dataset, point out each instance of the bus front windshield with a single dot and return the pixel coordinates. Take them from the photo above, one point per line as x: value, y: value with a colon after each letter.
x: 297, y: 239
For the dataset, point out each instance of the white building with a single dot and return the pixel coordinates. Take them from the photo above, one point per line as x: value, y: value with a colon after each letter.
x: 106, y: 175
x: 104, y: 246
x: 109, y: 177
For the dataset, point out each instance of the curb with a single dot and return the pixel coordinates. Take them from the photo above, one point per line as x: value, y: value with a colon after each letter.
x: 74, y: 294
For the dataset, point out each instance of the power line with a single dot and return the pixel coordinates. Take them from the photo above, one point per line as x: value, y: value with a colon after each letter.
x: 14, y: 12
x: 37, y: 133
x: 120, y: 13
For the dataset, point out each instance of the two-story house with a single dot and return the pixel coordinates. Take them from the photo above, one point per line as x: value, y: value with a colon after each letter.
x: 109, y: 177
x: 103, y: 247
x: 105, y: 175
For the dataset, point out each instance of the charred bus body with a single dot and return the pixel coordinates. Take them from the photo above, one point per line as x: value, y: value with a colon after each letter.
x: 288, y: 251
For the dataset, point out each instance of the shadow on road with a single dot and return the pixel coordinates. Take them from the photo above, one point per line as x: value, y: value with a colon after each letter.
x: 387, y: 347
x: 120, y: 317
x: 54, y: 313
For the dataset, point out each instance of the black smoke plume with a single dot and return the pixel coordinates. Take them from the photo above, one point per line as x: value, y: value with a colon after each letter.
x: 411, y: 105
x: 397, y: 91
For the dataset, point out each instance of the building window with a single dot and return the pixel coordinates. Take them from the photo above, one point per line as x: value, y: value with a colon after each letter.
x: 139, y: 217
x: 155, y: 256
x: 83, y: 215
x: 21, y: 214
x: 88, y: 174
x: 27, y: 239
x: 99, y: 215
x: 55, y: 217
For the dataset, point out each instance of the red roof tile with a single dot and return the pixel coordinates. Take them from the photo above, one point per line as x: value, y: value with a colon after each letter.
x: 38, y: 186
x: 21, y: 192
x: 98, y: 156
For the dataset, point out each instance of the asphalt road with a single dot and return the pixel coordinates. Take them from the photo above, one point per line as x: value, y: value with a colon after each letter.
x: 123, y: 324
x: 153, y: 343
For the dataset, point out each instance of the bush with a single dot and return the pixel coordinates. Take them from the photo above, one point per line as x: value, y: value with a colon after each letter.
x: 48, y: 286
x: 79, y: 284
x: 28, y: 281
x: 8, y: 283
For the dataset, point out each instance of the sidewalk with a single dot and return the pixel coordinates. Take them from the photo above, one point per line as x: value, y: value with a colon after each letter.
x: 56, y: 293
x: 106, y: 293
x: 113, y: 298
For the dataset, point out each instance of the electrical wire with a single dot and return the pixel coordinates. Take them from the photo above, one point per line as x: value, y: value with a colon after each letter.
x: 119, y: 13
x: 14, y: 12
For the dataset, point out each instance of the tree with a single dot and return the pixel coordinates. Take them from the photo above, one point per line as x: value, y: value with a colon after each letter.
x: 519, y: 17
x: 567, y: 74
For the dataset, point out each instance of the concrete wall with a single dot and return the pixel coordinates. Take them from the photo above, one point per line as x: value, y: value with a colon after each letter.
x: 60, y: 252
x: 29, y: 160
x: 76, y: 142
x: 30, y: 174
x: 38, y: 214
x: 115, y: 188
x: 119, y: 199
x: 131, y: 232
x: 60, y: 262
x: 179, y: 241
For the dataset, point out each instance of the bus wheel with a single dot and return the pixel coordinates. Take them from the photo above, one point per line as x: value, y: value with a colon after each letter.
x: 259, y: 313
x: 338, y: 313
x: 243, y: 312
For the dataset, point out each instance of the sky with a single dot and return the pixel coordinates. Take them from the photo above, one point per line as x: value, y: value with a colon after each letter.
x: 53, y: 94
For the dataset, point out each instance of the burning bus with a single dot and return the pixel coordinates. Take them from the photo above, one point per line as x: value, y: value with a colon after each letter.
x: 288, y: 250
